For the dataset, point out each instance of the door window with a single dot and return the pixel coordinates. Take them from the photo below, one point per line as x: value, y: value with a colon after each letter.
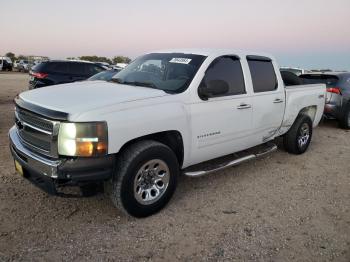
x: 228, y: 69
x: 263, y: 74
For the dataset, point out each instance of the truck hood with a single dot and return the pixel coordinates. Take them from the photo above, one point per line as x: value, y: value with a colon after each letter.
x: 79, y: 97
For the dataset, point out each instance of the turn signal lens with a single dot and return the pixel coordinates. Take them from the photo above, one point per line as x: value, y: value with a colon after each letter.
x: 101, y: 148
x: 85, y: 148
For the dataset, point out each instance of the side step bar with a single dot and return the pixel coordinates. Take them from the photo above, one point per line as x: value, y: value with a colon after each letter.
x: 268, y: 148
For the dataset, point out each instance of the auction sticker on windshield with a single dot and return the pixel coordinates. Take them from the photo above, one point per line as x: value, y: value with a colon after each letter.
x: 180, y: 60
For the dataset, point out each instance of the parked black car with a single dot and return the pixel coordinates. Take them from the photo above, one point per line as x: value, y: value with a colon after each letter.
x: 338, y: 94
x: 55, y: 72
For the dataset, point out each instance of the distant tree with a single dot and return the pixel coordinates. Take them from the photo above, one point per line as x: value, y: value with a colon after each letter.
x: 21, y: 57
x: 11, y: 55
x: 95, y: 59
x: 71, y: 58
x: 121, y: 59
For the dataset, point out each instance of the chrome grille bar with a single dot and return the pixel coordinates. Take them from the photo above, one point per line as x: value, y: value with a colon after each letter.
x: 37, y: 133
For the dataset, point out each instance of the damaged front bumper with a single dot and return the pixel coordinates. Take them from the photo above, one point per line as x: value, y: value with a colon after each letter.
x: 51, y: 174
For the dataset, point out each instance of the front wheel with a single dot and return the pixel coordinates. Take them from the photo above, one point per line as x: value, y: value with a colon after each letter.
x: 145, y: 178
x: 298, y: 138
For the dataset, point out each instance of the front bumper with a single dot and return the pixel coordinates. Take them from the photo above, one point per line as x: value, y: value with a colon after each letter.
x: 49, y: 174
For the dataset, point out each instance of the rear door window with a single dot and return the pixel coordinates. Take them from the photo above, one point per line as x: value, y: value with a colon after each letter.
x: 263, y: 74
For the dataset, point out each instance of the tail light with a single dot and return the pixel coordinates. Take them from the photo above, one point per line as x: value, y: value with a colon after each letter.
x: 335, y: 90
x: 39, y: 75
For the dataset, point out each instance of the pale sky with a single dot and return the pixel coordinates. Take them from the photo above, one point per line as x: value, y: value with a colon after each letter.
x: 309, y: 33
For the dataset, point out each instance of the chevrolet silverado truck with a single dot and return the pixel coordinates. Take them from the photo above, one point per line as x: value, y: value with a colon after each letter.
x: 173, y: 112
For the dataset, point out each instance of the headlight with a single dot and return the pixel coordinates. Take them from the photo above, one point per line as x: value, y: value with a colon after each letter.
x: 83, y: 139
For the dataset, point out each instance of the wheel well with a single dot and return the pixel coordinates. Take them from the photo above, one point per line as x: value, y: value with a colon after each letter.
x: 309, y: 111
x: 172, y: 139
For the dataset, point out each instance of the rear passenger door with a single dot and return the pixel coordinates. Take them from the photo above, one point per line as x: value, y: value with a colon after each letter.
x: 268, y: 98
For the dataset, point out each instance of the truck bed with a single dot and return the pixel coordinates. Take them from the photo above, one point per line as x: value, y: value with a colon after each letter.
x: 310, y: 98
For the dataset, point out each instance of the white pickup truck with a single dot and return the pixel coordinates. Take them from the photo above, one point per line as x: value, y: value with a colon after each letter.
x: 168, y: 112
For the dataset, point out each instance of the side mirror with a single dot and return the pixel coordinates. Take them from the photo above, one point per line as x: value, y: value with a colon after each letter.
x: 212, y: 88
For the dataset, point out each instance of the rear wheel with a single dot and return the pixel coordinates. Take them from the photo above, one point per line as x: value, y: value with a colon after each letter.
x: 298, y: 138
x: 345, y: 121
x: 145, y: 178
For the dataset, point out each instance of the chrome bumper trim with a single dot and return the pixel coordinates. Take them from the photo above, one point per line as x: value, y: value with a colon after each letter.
x: 31, y: 160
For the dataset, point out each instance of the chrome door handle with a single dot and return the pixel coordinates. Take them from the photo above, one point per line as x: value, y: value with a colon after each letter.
x: 244, y: 106
x: 278, y: 100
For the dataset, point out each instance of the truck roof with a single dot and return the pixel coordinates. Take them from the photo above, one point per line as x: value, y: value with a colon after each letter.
x: 214, y: 52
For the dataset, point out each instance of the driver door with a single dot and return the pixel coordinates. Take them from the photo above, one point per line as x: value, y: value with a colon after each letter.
x: 222, y: 124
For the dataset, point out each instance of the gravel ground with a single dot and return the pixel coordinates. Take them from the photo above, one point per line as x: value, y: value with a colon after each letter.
x: 280, y: 208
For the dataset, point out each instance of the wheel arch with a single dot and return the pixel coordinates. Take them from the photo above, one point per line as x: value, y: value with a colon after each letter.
x: 309, y: 111
x: 172, y: 138
x: 291, y: 117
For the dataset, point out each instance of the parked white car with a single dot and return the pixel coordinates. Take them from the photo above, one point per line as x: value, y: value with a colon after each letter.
x: 119, y: 66
x: 23, y: 66
x: 166, y: 113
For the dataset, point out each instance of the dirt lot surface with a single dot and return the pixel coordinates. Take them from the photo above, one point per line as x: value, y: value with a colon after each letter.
x: 280, y: 208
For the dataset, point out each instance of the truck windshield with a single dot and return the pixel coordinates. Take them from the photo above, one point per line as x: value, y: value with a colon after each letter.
x: 170, y: 72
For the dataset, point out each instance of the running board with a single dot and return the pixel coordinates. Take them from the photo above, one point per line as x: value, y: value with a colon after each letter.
x: 209, y: 167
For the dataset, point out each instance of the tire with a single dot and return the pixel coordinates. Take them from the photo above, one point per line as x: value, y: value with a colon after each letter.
x: 345, y: 121
x: 134, y: 188
x: 298, y: 138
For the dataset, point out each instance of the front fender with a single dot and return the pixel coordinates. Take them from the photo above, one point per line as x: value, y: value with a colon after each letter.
x: 127, y: 125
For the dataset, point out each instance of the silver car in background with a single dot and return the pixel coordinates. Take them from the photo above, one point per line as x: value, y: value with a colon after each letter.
x: 338, y: 94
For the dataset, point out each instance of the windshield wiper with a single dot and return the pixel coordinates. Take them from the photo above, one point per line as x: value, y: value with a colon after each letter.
x: 117, y: 80
x: 135, y: 83
x: 145, y: 84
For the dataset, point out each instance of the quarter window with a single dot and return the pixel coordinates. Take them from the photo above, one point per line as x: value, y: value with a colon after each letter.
x: 263, y: 74
x: 228, y: 69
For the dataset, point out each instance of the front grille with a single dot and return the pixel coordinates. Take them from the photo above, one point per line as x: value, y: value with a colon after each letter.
x: 34, y: 120
x: 36, y: 132
x: 35, y: 141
